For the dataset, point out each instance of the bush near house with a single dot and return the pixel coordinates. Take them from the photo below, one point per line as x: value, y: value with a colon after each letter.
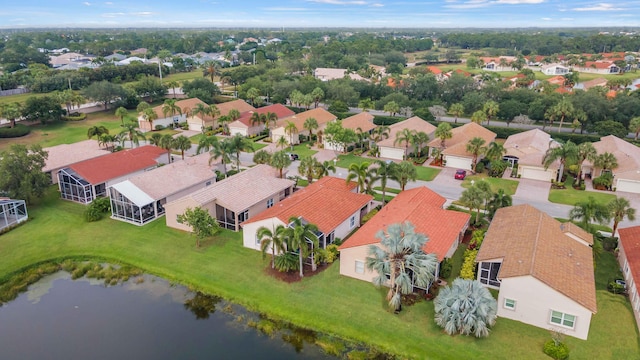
x: 468, y: 270
x: 558, y: 351
x: 17, y: 131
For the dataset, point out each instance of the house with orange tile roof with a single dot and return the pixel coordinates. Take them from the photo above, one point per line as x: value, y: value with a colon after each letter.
x: 598, y: 67
x: 542, y: 268
x: 423, y: 208
x: 526, y: 150
x: 322, y: 116
x: 626, y: 177
x: 496, y: 63
x: 244, y: 125
x: 224, y: 108
x: 362, y: 122
x: 629, y: 259
x: 455, y: 154
x: 235, y: 199
x: 586, y: 85
x: 63, y: 155
x: 85, y: 180
x: 330, y: 203
x: 392, y: 149
x: 141, y: 198
x: 556, y: 80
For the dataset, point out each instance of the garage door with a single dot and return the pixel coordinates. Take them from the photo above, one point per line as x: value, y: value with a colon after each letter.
x: 458, y: 163
x: 628, y: 186
x: 233, y: 131
x: 391, y: 153
x: 195, y: 126
x: 535, y: 173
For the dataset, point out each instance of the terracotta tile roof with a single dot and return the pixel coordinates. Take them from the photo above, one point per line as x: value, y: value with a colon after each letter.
x: 422, y: 207
x: 175, y: 177
x: 233, y: 192
x: 322, y: 116
x: 121, y: 163
x: 280, y: 110
x: 627, y: 154
x: 326, y: 203
x: 529, y: 146
x: 593, y: 83
x: 363, y: 121
x: 556, y: 80
x: 412, y: 123
x: 598, y: 64
x: 532, y: 243
x: 66, y: 154
x: 434, y: 70
x: 457, y: 145
x: 562, y: 90
x: 630, y: 241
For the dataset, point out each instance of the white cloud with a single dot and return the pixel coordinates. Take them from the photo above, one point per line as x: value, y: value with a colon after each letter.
x: 472, y: 4
x: 599, y: 7
x: 108, y: 3
x: 142, y: 13
x: 284, y: 9
x: 339, y: 2
x: 516, y: 2
x: 546, y: 18
x: 112, y: 15
x: 377, y: 5
x: 86, y: 3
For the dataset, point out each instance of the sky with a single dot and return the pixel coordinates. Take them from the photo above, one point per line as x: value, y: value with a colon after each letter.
x: 319, y: 13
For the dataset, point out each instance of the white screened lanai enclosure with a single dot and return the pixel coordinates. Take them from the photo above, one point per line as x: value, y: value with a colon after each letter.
x: 12, y: 212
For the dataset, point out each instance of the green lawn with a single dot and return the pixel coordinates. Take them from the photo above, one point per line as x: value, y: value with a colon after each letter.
x: 357, y: 310
x: 378, y: 197
x: 427, y: 173
x: 571, y: 196
x: 424, y: 173
x: 509, y: 186
x: 302, y: 150
x: 387, y: 189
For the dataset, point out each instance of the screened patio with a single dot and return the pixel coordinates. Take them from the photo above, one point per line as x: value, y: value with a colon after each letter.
x: 75, y: 188
x: 12, y: 212
x: 131, y: 204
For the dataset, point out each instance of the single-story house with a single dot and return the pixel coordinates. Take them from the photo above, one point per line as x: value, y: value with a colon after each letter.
x: 388, y: 147
x: 322, y: 116
x: 360, y: 122
x: 330, y: 203
x: 234, y: 199
x: 557, y: 80
x: 141, y: 198
x: 326, y: 74
x: 598, y: 67
x: 526, y: 150
x: 629, y: 259
x: 423, y: 208
x: 455, y: 154
x: 542, y: 268
x: 554, y: 69
x: 244, y: 127
x: 591, y: 84
x: 186, y: 106
x: 626, y: 177
x: 63, y: 155
x: 12, y: 212
x: 85, y: 180
x: 495, y: 63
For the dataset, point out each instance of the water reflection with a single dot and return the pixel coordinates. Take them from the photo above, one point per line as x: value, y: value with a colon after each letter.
x: 202, y: 305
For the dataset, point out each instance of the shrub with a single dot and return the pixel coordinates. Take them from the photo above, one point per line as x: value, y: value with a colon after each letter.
x: 357, y: 151
x: 386, y: 120
x: 468, y: 270
x: 615, y: 288
x: 328, y: 255
x: 556, y: 350
x: 159, y: 127
x: 75, y: 117
x: 445, y: 268
x: 603, y: 181
x: 479, y: 167
x: 369, y: 215
x: 97, y: 208
x: 287, y: 262
x: 17, y: 131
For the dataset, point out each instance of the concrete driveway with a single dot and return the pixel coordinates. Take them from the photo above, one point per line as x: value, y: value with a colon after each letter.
x: 533, y: 189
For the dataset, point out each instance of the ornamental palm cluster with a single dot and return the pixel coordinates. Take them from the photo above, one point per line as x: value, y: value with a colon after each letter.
x: 466, y: 307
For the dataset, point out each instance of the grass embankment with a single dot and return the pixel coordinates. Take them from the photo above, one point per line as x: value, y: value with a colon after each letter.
x: 571, y: 196
x: 328, y: 302
x: 508, y: 186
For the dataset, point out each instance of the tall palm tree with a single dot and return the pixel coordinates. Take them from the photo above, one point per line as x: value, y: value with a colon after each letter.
x: 173, y: 85
x: 234, y: 114
x: 478, y: 117
x: 258, y: 118
x: 562, y: 110
x: 473, y: 198
x: 324, y: 168
x: 400, y: 256
x: 223, y: 121
x: 365, y: 104
x: 405, y: 137
x: 588, y: 211
x: 270, y: 120
x: 466, y: 307
x: 310, y: 124
x: 585, y: 151
x: 619, y: 209
x: 155, y: 139
x: 634, y: 126
x: 443, y: 132
x: 170, y: 107
x: 182, y: 143
x: 149, y: 115
x: 96, y: 131
x: 211, y: 68
x: 476, y: 148
x: 499, y: 200
x: 606, y: 161
x: 495, y: 151
x: 317, y: 94
x: 418, y: 140
x: 121, y: 112
x: 291, y: 129
x: 299, y: 236
x: 240, y: 144
x: 309, y: 167
x: 252, y: 95
x: 166, y: 142
x: 206, y: 143
x: 490, y: 108
x: 566, y: 153
x: 403, y: 173
x: 281, y: 142
x: 456, y: 110
x: 142, y: 106
x: 384, y: 171
x: 272, y: 239
x: 280, y: 160
x: 131, y: 133
x: 201, y: 110
x: 380, y: 133
x: 221, y: 150
x: 358, y: 172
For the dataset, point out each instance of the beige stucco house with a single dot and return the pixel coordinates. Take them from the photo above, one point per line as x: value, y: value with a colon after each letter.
x: 390, y: 149
x: 542, y: 268
x: 629, y: 259
x: 329, y: 203
x: 525, y: 152
x: 626, y: 177
x: 322, y: 116
x: 455, y: 152
x: 423, y: 208
x: 234, y: 199
x: 362, y: 122
x: 244, y: 125
x: 63, y: 155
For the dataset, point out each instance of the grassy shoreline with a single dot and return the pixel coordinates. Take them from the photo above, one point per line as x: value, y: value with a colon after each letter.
x: 327, y: 302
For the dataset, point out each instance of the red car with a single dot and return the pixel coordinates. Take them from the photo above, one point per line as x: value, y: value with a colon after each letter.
x: 460, y: 174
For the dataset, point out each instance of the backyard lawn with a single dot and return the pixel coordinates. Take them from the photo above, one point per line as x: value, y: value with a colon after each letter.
x: 358, y: 311
x: 509, y: 186
x: 571, y: 196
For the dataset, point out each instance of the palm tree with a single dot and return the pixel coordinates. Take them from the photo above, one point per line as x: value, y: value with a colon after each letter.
x: 392, y: 108
x: 317, y: 94
x: 271, y: 119
x: 96, y: 131
x: 365, y: 104
x: 239, y: 144
x: 182, y: 143
x: 280, y: 160
x: 310, y: 124
x: 234, y: 114
x: 166, y: 142
x: 132, y: 133
x: 252, y: 95
x: 170, y: 107
x: 121, y: 112
x: 281, y: 142
x: 107, y: 140
x: 473, y: 198
x: 257, y: 118
x: 476, y: 148
x: 211, y: 69
x: 11, y: 112
x: 201, y: 110
x: 466, y: 307
x: 495, y: 151
x: 588, y: 211
x: 309, y: 167
x: 418, y: 140
x: 291, y: 129
x: 155, y: 139
x: 490, y: 108
x: 562, y: 110
x: 384, y: 172
x: 380, y: 133
x: 262, y: 157
x: 358, y: 172
x: 274, y: 239
x: 619, y: 209
x: 221, y: 150
x: 585, y: 151
x: 403, y: 173
x: 498, y: 201
x: 223, y: 121
x: 149, y: 115
x: 478, y: 117
x: 566, y: 153
x: 173, y: 85
x: 443, y: 132
x: 400, y: 256
x: 456, y: 110
x: 634, y: 126
x: 206, y: 143
x: 606, y: 161
x: 404, y: 136
x: 324, y: 168
x: 299, y: 235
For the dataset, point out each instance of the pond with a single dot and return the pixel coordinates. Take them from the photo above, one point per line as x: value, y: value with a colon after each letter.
x: 143, y: 318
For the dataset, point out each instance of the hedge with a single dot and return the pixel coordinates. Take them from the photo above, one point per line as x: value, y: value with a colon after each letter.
x: 75, y: 117
x: 386, y: 120
x: 17, y: 131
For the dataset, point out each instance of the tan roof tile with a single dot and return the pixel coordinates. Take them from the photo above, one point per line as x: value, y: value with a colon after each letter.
x: 529, y: 146
x: 322, y: 116
x: 627, y: 154
x: 457, y: 145
x: 362, y: 121
x: 413, y: 123
x: 66, y: 154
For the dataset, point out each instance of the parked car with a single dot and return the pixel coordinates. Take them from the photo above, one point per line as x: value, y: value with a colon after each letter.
x: 293, y: 156
x: 460, y: 174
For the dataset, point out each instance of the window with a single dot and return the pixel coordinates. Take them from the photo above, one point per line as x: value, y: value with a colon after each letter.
x: 243, y: 216
x: 509, y: 304
x: 359, y: 267
x: 352, y: 222
x: 563, y: 319
x: 257, y: 240
x: 489, y: 273
x: 269, y: 203
x: 208, y: 183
